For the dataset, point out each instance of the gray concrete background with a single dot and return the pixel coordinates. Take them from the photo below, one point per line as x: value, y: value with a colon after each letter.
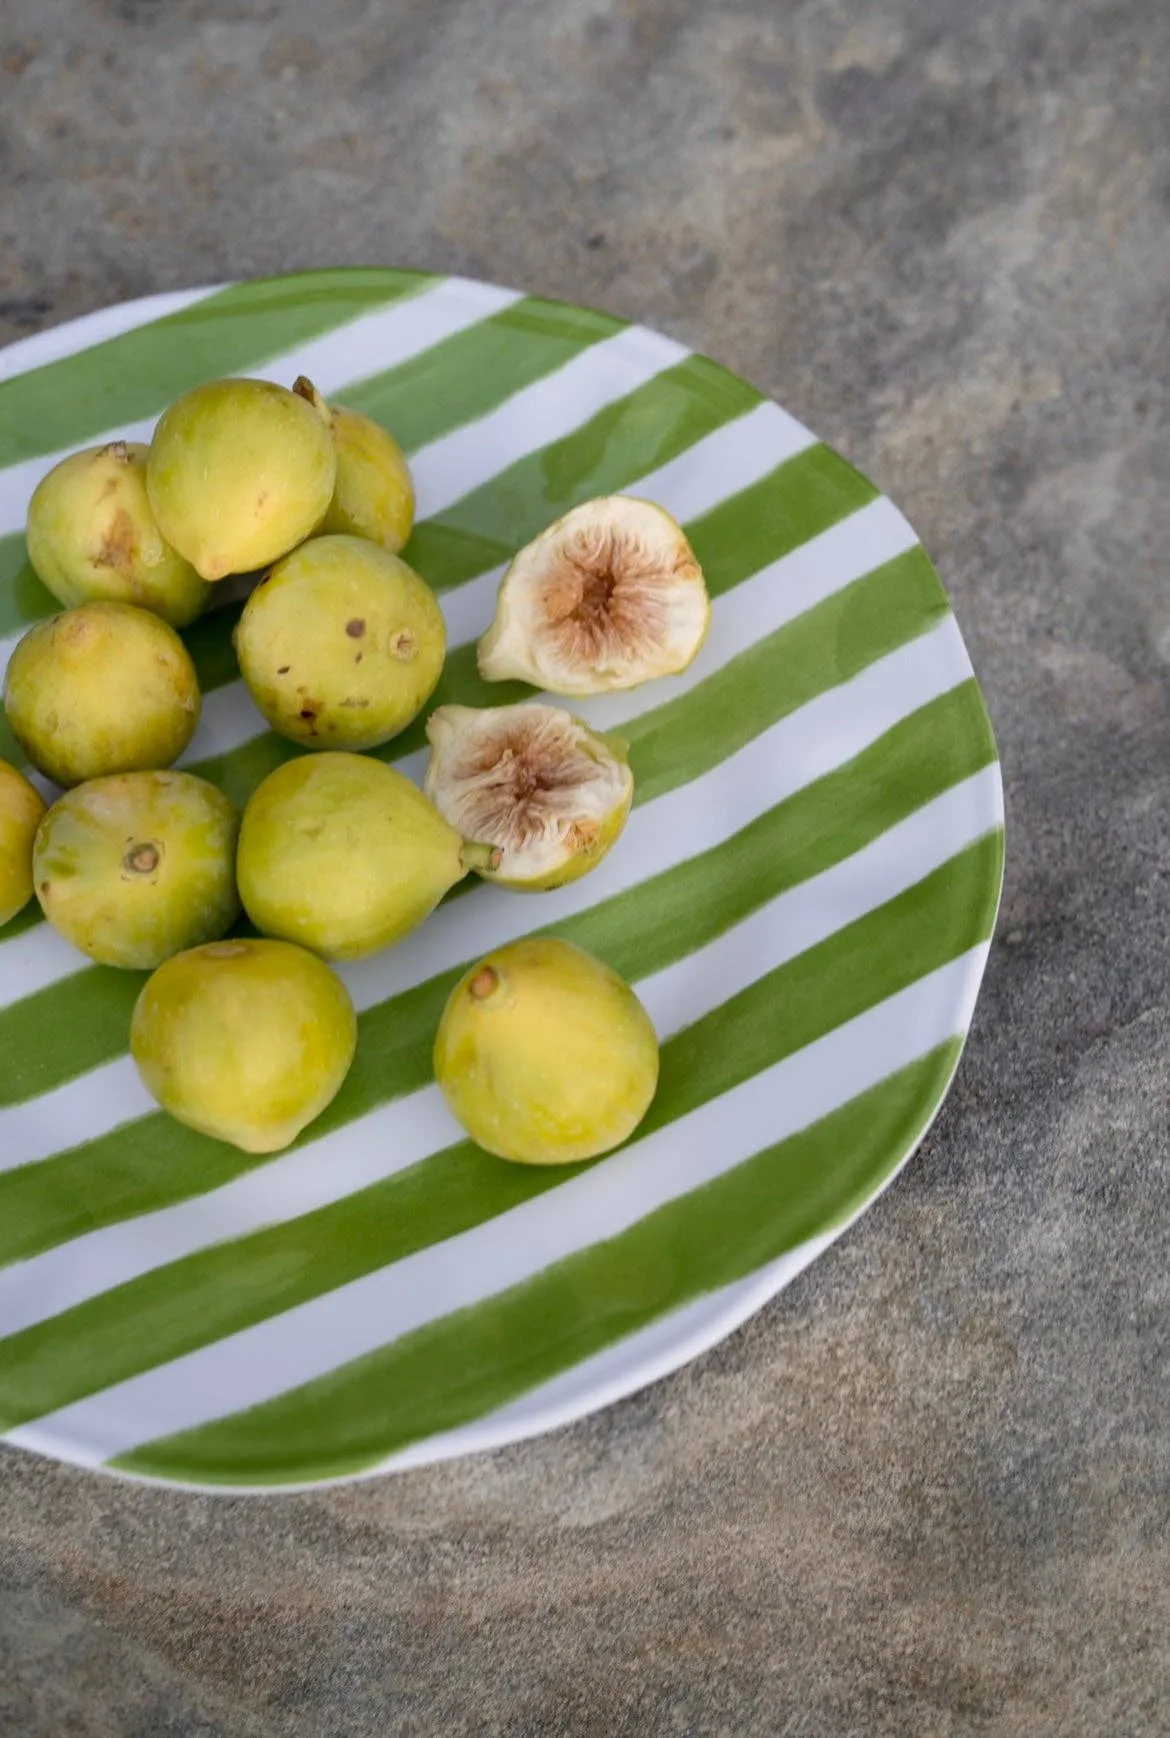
x: 926, y: 1491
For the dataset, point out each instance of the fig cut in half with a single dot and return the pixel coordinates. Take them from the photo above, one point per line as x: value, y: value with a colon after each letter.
x: 607, y: 597
x: 549, y: 793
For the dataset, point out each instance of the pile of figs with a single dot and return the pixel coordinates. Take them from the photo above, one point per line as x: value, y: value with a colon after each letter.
x: 244, y: 1030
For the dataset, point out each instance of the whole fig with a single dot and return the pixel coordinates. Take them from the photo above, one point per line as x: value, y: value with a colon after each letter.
x: 240, y: 471
x: 91, y: 535
x: 99, y: 689
x: 246, y: 1041
x: 133, y: 868
x: 545, y: 1055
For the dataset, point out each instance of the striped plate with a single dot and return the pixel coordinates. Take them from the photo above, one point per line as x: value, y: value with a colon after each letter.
x: 804, y: 897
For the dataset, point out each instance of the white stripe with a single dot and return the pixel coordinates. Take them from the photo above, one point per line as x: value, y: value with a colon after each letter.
x: 99, y: 327
x: 808, y: 743
x: 397, y: 1135
x: 339, y: 358
x: 306, y: 1342
x: 534, y: 417
x: 777, y: 594
x: 724, y: 462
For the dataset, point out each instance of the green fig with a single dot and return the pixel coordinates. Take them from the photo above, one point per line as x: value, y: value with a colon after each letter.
x: 545, y: 1055
x: 344, y: 855
x: 240, y: 471
x: 607, y: 597
x: 374, y: 495
x: 91, y: 535
x: 531, y: 779
x: 341, y: 645
x: 21, y: 808
x: 101, y: 688
x: 246, y: 1041
x: 133, y: 868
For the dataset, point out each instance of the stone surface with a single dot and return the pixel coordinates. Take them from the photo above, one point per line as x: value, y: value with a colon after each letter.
x: 926, y: 1490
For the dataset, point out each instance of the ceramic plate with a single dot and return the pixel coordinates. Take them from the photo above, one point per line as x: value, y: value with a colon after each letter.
x: 803, y: 897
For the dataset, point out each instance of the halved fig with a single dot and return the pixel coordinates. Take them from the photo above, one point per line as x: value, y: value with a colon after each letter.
x: 548, y: 792
x: 607, y: 597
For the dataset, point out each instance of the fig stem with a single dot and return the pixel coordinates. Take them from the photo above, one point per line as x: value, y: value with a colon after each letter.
x: 475, y: 855
x: 304, y: 388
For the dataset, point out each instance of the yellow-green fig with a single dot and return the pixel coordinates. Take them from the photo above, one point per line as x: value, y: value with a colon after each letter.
x: 341, y: 645
x: 545, y: 1055
x: 91, y: 535
x: 102, y: 688
x: 374, y: 495
x: 552, y: 794
x: 21, y: 808
x: 239, y: 473
x: 607, y: 597
x: 246, y: 1041
x: 344, y: 855
x: 133, y: 868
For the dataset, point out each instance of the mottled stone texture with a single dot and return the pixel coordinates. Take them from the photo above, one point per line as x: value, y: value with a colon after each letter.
x: 926, y: 1491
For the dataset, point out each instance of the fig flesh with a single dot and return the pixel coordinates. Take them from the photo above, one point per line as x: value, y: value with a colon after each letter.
x: 552, y: 794
x: 607, y: 597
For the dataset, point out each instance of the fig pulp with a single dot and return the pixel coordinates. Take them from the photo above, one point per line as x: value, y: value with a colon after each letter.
x: 552, y: 794
x: 608, y: 597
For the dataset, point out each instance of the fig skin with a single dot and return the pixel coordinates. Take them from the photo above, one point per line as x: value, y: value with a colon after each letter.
x: 246, y: 1041
x: 136, y: 867
x: 588, y: 838
x: 21, y: 809
x: 102, y: 688
x: 374, y: 493
x: 545, y: 1055
x: 343, y: 855
x: 239, y: 473
x: 92, y: 536
x: 341, y: 645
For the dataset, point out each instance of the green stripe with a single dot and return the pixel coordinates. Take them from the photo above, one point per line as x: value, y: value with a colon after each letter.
x: 472, y: 372
x: 125, y: 379
x: 471, y: 1362
x: 668, y: 746
x: 624, y: 441
x: 220, y: 1290
x: 23, y: 599
x: 443, y: 388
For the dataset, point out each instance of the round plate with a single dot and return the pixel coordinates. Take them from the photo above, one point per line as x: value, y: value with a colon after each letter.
x: 804, y: 897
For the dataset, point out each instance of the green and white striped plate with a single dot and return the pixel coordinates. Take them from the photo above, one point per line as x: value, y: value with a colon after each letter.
x: 804, y: 897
